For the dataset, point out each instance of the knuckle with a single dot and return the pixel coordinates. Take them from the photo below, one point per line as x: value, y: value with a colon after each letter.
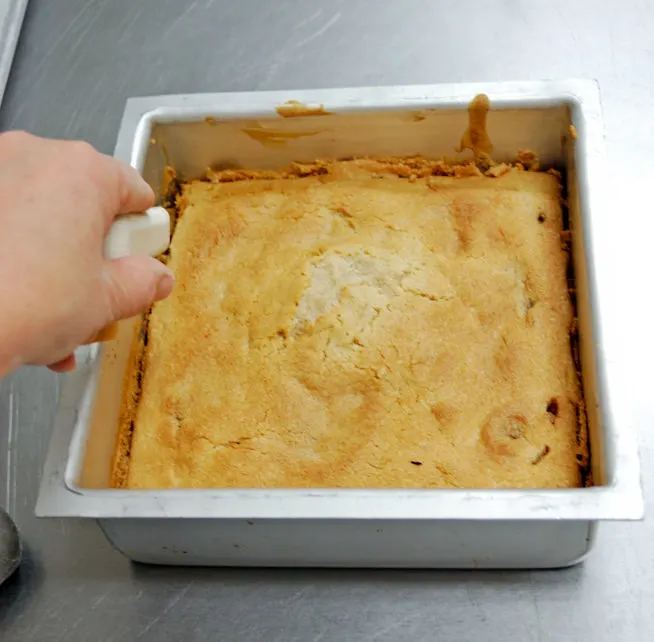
x: 82, y: 150
x: 120, y: 302
x: 130, y: 289
x: 115, y: 296
x: 88, y: 166
x: 16, y: 137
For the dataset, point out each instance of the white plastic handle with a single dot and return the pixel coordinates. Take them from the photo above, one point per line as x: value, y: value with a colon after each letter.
x: 147, y: 233
x: 144, y: 234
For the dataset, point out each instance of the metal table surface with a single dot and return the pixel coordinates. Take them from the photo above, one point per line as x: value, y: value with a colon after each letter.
x: 77, y: 62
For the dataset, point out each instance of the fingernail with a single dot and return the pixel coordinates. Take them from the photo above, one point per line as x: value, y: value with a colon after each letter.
x: 164, y: 286
x: 64, y: 365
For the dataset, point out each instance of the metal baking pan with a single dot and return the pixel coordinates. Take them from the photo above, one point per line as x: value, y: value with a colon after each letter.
x: 562, y: 122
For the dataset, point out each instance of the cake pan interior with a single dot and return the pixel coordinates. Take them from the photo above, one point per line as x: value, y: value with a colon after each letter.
x: 191, y: 141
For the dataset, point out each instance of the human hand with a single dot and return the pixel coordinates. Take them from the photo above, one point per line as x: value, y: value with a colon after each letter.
x: 57, y: 202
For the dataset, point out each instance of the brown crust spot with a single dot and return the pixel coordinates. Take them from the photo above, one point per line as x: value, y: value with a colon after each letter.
x: 443, y: 413
x: 541, y: 455
x: 500, y: 430
x: 553, y: 409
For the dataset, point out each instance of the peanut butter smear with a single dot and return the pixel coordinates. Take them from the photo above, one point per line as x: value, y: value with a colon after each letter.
x: 294, y: 109
x: 274, y: 137
x: 475, y: 137
x: 169, y: 175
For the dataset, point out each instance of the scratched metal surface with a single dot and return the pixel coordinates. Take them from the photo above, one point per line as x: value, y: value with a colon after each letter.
x: 11, y: 18
x: 77, y: 62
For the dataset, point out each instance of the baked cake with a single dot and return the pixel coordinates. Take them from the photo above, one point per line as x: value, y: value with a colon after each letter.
x: 363, y: 323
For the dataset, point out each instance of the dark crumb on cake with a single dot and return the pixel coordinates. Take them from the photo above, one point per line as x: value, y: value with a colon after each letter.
x: 541, y: 455
x: 553, y: 408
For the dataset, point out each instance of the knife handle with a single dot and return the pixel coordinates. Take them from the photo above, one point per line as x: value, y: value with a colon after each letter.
x: 140, y: 234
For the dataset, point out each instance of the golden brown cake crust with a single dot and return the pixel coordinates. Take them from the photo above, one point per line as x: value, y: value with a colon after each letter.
x: 354, y: 329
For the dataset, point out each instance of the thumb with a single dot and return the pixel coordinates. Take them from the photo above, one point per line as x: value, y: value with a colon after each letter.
x: 133, y: 283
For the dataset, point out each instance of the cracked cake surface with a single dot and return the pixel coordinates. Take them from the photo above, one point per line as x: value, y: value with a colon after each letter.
x: 361, y: 324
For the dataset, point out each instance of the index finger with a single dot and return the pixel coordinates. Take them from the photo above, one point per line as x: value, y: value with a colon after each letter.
x: 135, y: 195
x: 124, y: 189
x: 119, y: 186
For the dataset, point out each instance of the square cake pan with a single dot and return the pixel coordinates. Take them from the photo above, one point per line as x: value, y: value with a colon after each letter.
x: 559, y: 120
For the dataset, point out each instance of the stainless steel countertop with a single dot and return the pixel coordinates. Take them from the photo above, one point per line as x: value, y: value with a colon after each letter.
x: 77, y: 62
x: 11, y: 19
